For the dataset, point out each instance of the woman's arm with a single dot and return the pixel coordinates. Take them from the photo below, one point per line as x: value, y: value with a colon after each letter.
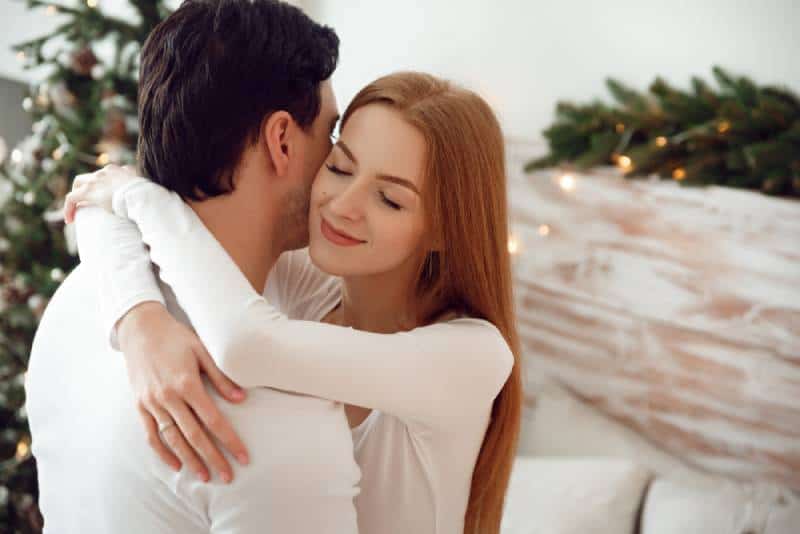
x: 161, y: 353
x: 112, y: 248
x: 443, y: 370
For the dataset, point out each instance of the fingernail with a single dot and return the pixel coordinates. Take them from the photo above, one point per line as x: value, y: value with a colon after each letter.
x: 203, y: 476
x: 243, y: 459
x: 226, y: 477
x: 238, y: 394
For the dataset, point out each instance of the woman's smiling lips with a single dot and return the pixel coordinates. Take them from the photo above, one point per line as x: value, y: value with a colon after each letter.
x: 336, y: 237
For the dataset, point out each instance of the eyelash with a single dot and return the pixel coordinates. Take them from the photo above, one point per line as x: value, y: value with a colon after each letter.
x: 335, y: 170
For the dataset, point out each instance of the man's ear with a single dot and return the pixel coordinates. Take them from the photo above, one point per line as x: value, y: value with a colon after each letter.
x: 276, y: 133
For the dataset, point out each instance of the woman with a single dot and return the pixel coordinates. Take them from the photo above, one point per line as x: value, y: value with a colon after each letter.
x: 430, y: 352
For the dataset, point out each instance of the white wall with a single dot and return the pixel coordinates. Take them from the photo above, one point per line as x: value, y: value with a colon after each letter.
x: 524, y: 55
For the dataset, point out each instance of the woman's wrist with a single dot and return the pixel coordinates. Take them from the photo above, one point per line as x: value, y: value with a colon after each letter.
x: 138, y: 319
x: 119, y: 205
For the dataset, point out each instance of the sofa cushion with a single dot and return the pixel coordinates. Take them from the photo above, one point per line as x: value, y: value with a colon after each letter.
x: 732, y: 508
x: 574, y: 496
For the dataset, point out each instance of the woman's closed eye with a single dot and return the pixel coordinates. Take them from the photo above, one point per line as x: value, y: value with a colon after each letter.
x: 386, y: 200
x: 336, y: 170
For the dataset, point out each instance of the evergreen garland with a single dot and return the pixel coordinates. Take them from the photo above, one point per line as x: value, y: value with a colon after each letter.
x: 741, y: 135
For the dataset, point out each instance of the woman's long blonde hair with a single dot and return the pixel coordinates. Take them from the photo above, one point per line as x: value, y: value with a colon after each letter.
x: 464, y: 194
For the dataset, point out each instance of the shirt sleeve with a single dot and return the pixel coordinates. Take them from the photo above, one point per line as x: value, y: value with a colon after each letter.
x: 444, y: 370
x: 112, y: 248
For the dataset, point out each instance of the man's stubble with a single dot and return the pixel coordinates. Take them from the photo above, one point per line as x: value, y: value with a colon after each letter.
x: 294, y: 220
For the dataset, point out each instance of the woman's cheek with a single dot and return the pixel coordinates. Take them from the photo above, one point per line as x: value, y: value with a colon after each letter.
x: 401, y: 234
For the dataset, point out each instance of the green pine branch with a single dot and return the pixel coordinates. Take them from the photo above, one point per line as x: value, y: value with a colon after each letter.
x: 739, y: 135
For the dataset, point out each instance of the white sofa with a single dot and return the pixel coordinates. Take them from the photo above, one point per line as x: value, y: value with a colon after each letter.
x: 581, y: 473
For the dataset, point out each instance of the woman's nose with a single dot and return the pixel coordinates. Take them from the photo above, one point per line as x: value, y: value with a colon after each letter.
x: 348, y: 202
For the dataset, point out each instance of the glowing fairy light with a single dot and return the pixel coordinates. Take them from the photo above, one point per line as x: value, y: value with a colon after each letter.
x: 42, y: 100
x: 567, y: 182
x: 624, y: 162
x: 679, y: 174
x: 544, y: 230
x: 103, y: 159
x: 661, y: 141
x: 513, y: 245
x: 22, y: 450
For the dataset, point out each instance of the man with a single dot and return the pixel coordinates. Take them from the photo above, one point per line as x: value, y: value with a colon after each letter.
x: 236, y: 112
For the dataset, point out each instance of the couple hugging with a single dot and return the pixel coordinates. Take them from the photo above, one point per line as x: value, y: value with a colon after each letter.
x: 317, y: 333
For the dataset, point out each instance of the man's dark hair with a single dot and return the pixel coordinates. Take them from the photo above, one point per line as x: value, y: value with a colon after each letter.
x: 210, y: 73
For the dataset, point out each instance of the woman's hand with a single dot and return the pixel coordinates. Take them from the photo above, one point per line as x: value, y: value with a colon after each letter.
x: 96, y: 189
x: 164, y: 359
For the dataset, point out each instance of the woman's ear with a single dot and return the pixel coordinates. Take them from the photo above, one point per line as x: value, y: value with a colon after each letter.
x: 276, y: 132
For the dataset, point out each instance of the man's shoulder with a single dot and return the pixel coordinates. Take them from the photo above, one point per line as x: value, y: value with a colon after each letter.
x: 73, y: 302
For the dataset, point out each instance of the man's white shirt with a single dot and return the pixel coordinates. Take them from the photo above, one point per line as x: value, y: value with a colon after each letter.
x: 97, y: 473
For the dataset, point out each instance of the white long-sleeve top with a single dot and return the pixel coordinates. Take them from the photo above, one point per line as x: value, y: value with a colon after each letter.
x: 430, y: 389
x: 96, y: 472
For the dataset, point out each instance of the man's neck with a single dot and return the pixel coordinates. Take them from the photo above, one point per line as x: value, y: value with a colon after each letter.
x: 245, y: 232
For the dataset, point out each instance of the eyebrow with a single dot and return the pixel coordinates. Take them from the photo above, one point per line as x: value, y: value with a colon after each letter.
x: 386, y: 177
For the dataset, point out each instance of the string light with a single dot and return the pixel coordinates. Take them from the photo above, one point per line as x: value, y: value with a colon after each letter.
x: 91, y: 3
x: 723, y: 126
x: 661, y: 141
x: 22, y: 450
x: 513, y: 245
x: 624, y: 162
x: 58, y: 153
x: 544, y: 230
x: 620, y: 127
x: 103, y: 159
x: 567, y: 182
x: 42, y: 100
x: 679, y: 174
x: 16, y: 156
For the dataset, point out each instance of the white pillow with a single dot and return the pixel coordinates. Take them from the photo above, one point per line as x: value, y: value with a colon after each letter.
x: 573, y: 496
x: 733, y: 508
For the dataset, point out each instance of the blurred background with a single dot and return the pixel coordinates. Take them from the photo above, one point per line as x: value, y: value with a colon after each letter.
x: 522, y: 55
x: 653, y: 153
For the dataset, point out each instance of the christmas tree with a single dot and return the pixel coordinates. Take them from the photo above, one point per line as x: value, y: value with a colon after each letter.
x: 84, y: 113
x: 741, y: 135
